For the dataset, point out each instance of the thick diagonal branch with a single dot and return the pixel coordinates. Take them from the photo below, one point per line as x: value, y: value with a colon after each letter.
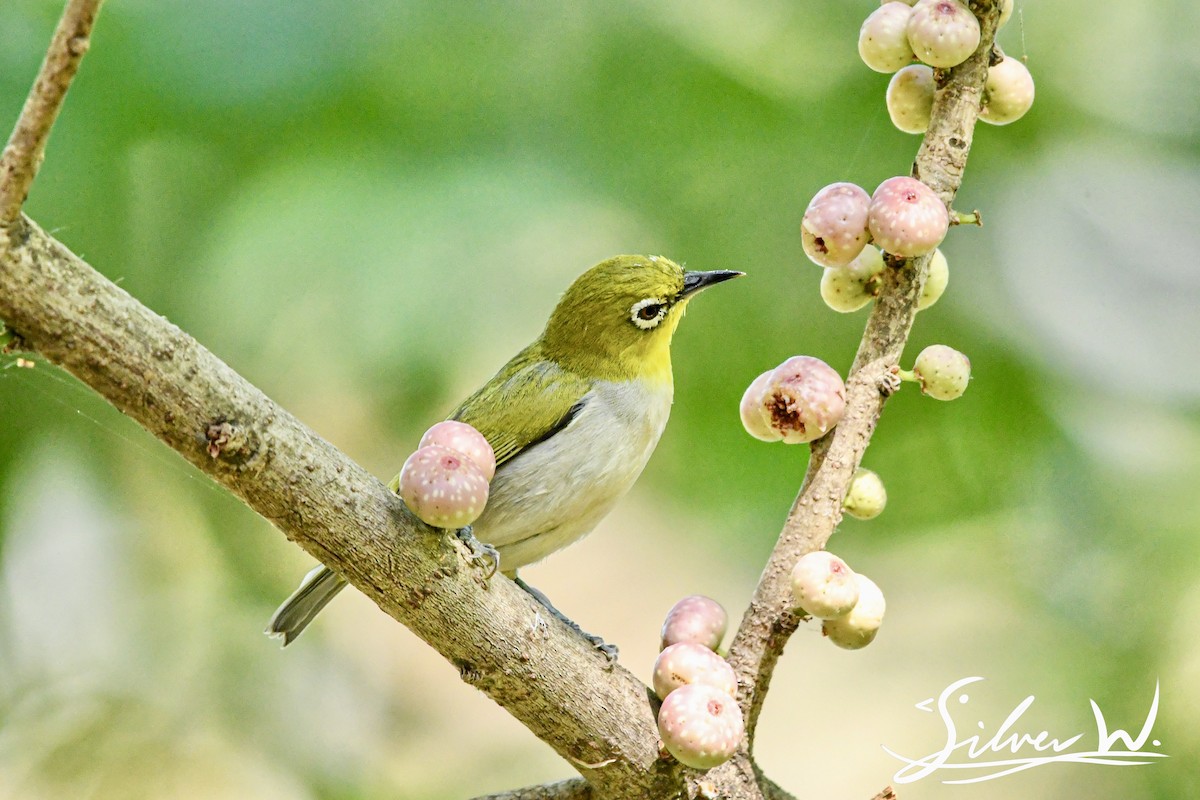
x: 500, y: 640
x: 23, y: 154
x: 578, y: 789
x: 574, y: 789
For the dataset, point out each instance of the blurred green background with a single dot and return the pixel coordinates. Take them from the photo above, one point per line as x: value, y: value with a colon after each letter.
x: 366, y: 208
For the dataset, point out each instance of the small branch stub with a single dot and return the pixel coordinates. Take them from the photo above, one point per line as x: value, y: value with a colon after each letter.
x: 963, y: 218
x: 218, y: 435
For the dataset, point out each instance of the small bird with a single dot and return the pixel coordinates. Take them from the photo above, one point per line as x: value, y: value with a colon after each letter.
x: 573, y: 419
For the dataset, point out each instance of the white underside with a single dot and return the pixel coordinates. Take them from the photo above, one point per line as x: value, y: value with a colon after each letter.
x: 557, y: 491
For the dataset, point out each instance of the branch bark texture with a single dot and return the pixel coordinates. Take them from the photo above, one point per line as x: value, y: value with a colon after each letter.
x: 574, y: 789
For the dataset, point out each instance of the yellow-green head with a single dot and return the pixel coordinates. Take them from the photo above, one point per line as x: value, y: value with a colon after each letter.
x: 616, y: 320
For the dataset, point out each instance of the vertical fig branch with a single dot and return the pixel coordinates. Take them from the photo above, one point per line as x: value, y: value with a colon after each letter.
x: 770, y: 620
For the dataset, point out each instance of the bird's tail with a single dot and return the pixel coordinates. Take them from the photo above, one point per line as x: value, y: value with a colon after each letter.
x: 318, y: 587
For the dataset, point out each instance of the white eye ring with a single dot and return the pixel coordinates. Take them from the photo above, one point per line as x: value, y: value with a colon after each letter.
x: 646, y: 324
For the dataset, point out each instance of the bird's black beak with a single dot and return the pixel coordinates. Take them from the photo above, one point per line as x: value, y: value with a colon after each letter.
x: 695, y: 281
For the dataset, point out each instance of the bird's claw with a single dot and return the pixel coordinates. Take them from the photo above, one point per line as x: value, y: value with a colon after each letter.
x: 483, y: 555
x: 889, y: 382
x: 609, y: 650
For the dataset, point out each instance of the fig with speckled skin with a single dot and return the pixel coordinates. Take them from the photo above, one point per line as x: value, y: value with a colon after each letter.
x: 866, y: 497
x: 883, y: 39
x: 834, y: 228
x: 1007, y: 93
x: 697, y: 619
x: 849, y: 288
x: 753, y: 420
x: 443, y: 487
x: 686, y: 663
x: 803, y: 400
x: 906, y: 217
x: 942, y: 33
x: 465, y: 439
x: 700, y: 726
x: 943, y: 372
x: 935, y: 282
x: 858, y: 628
x: 909, y: 98
x: 823, y: 586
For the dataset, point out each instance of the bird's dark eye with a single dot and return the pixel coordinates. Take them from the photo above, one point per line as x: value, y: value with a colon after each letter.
x: 649, y: 312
